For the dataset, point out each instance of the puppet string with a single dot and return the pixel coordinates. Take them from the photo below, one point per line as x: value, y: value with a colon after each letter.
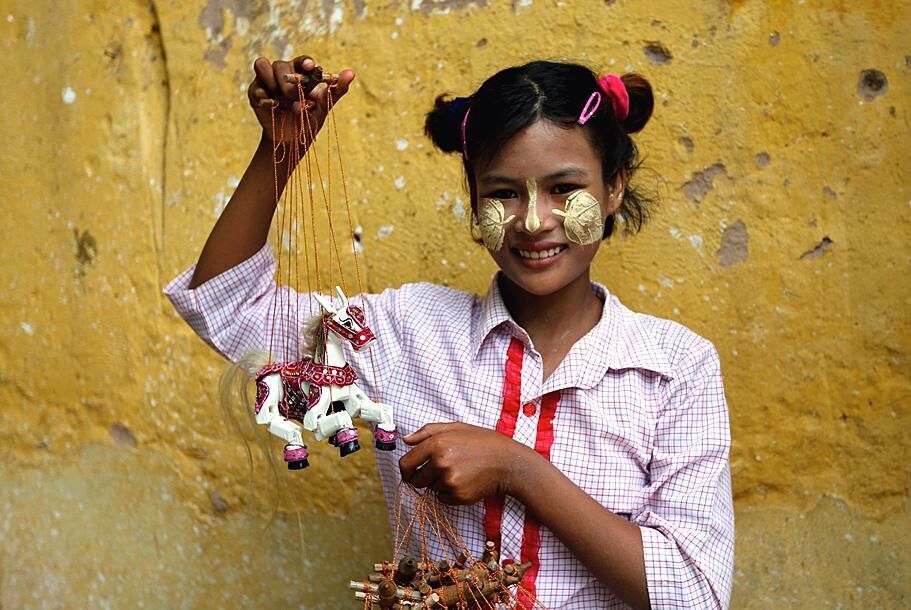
x: 297, y: 220
x: 275, y: 176
x: 305, y: 118
x: 357, y: 266
x: 326, y: 200
x: 289, y: 253
x: 278, y: 300
x: 289, y: 210
x: 311, y: 203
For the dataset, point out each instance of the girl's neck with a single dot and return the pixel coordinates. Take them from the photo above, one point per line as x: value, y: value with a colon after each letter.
x: 562, y: 317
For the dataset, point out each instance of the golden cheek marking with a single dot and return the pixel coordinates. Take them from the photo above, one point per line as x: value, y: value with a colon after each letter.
x: 492, y: 223
x: 582, y: 221
x: 532, y: 222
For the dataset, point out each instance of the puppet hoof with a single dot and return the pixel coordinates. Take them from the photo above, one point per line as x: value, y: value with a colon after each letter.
x: 347, y: 441
x: 299, y: 465
x: 349, y: 448
x: 385, y: 439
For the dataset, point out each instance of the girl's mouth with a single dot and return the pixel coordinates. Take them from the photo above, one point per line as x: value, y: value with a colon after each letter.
x: 536, y: 255
x: 537, y: 259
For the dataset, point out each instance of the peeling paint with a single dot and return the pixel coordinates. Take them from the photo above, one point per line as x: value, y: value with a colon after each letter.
x: 734, y: 245
x: 818, y: 250
x: 703, y: 182
x: 872, y: 84
x: 657, y: 54
x: 122, y: 435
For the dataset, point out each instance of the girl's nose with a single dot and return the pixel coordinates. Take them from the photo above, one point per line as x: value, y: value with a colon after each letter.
x: 532, y: 222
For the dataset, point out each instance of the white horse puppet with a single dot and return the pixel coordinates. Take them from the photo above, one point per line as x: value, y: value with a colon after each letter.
x: 321, y: 392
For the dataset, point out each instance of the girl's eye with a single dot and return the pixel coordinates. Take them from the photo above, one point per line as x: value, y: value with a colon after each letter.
x: 501, y: 194
x: 564, y: 189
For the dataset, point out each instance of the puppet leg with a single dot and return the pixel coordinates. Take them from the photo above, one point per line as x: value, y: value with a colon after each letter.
x: 385, y: 434
x: 295, y: 450
x: 269, y: 393
x: 339, y: 429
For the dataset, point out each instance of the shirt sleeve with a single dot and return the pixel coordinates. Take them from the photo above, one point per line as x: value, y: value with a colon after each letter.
x: 687, y: 522
x: 242, y: 311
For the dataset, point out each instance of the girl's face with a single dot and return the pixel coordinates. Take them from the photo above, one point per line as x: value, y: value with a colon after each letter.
x: 531, y: 176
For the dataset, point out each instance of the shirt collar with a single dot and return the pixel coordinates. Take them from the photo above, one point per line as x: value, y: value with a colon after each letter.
x: 491, y: 313
x: 620, y: 340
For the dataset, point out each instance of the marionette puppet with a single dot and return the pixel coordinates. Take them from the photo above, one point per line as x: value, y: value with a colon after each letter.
x: 320, y: 390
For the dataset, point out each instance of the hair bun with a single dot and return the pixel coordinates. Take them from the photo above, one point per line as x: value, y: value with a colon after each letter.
x: 641, y: 102
x: 443, y: 123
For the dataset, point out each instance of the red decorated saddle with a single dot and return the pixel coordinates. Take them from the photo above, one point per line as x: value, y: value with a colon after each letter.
x: 296, y: 401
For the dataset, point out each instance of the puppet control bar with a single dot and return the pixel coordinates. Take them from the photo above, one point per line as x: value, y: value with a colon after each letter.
x: 313, y: 77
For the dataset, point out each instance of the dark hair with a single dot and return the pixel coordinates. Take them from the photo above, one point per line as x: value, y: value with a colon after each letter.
x: 514, y: 98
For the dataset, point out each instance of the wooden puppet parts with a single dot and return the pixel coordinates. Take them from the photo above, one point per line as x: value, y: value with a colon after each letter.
x: 465, y: 584
x: 321, y: 391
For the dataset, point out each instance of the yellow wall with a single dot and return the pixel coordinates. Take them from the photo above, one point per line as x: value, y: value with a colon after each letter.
x: 782, y: 235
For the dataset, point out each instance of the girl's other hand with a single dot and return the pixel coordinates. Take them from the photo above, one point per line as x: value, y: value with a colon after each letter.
x: 461, y: 462
x: 269, y: 84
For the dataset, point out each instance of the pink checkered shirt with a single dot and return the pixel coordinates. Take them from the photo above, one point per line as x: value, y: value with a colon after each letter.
x: 635, y: 415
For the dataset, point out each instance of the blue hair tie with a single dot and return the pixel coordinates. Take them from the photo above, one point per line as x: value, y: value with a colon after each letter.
x: 457, y: 110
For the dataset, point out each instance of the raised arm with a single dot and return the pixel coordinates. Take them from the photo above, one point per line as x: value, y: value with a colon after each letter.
x: 243, y: 226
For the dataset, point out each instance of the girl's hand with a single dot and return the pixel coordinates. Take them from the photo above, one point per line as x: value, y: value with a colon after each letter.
x: 461, y: 462
x: 269, y: 84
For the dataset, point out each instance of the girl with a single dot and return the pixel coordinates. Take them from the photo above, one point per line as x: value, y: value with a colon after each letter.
x: 580, y: 436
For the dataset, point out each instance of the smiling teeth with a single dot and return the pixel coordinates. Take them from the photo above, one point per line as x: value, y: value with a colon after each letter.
x: 541, y: 254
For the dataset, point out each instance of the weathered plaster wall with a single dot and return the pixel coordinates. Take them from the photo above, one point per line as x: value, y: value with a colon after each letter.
x: 779, y: 152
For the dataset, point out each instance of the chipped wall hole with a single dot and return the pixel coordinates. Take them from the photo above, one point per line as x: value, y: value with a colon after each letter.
x: 872, y: 84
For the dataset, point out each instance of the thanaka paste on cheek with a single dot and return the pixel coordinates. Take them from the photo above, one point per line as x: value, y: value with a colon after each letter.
x: 582, y: 221
x: 532, y: 222
x: 492, y: 223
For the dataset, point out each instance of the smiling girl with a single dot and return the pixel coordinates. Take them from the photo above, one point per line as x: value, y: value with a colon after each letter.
x: 580, y: 436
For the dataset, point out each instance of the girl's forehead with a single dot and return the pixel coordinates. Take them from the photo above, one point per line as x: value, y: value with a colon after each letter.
x: 564, y: 171
x: 543, y: 150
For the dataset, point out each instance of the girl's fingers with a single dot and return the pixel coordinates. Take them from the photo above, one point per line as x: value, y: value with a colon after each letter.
x: 257, y: 92
x: 425, y: 476
x: 411, y: 461
x: 280, y: 69
x: 303, y: 63
x: 447, y: 498
x: 341, y: 87
x: 429, y: 430
x: 266, y: 77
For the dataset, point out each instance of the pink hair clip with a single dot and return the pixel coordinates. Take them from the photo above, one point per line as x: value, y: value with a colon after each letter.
x: 614, y: 88
x: 591, y: 107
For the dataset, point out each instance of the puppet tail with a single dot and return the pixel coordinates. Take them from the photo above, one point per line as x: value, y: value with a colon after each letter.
x: 237, y: 394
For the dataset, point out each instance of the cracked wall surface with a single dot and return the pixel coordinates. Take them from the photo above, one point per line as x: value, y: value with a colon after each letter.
x: 778, y: 152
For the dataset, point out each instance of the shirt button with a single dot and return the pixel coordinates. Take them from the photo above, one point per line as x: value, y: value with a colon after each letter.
x: 529, y: 409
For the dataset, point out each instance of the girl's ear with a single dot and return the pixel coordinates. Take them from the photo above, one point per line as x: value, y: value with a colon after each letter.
x: 615, y: 190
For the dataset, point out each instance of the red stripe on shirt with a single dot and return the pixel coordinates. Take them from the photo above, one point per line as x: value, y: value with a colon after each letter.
x: 531, y: 530
x: 506, y: 425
